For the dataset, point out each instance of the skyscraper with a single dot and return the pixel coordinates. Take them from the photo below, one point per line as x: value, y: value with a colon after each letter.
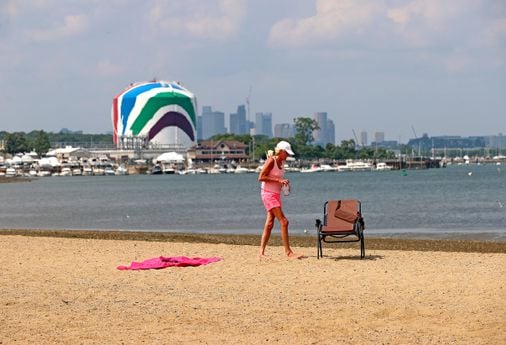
x: 284, y: 130
x: 213, y: 122
x: 326, y: 133
x: 238, y: 122
x: 379, y: 137
x: 263, y: 124
x: 363, y: 138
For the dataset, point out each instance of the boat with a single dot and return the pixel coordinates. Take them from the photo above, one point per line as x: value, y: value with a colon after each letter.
x: 87, y: 171
x: 381, y: 166
x: 358, y: 165
x: 121, y: 170
x: 327, y: 168
x: 156, y: 170
x: 66, y: 171
x: 109, y: 171
x: 241, y: 170
x: 10, y: 172
x: 314, y: 168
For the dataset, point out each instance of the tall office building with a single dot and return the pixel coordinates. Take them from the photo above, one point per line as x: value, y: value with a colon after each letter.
x: 263, y: 124
x: 199, y: 127
x: 326, y: 133
x: 331, y: 132
x: 363, y: 138
x: 284, y: 130
x: 379, y: 137
x: 238, y: 123
x: 213, y: 122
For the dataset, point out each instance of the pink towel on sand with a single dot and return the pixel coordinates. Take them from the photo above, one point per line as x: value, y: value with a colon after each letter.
x: 168, y: 261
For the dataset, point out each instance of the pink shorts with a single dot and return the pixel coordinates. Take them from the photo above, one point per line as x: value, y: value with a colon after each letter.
x: 270, y: 199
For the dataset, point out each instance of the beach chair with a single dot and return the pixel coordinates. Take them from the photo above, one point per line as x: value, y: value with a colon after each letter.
x: 342, y: 223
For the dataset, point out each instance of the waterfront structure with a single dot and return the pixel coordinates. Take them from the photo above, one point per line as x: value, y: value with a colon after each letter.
x: 263, y: 124
x: 154, y: 114
x: 215, y: 151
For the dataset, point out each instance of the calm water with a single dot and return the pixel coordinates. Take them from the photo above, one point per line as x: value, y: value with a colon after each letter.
x: 458, y: 201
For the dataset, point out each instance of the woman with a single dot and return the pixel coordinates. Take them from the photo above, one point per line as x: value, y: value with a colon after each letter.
x: 272, y: 178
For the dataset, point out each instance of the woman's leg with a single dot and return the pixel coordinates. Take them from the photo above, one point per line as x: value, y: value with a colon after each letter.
x: 269, y: 224
x: 283, y: 223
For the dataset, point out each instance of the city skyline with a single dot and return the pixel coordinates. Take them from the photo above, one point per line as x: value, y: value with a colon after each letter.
x: 391, y: 66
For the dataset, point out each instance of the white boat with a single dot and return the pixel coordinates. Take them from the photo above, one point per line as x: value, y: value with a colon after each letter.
x: 314, y: 168
x: 87, y: 171
x: 109, y: 171
x: 10, y: 172
x: 241, y: 170
x: 76, y: 172
x: 327, y: 168
x: 121, y: 170
x: 358, y: 165
x: 66, y: 172
x: 343, y: 168
x: 381, y: 166
x: 98, y: 171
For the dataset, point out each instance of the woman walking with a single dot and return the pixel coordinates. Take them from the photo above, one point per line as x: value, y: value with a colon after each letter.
x: 273, y: 179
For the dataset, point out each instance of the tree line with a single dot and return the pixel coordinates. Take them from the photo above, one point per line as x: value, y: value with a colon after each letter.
x: 41, y: 141
x: 302, y: 143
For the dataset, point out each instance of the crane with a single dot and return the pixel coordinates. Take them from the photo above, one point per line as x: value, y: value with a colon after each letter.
x: 414, y: 132
x: 356, y: 139
x: 416, y: 137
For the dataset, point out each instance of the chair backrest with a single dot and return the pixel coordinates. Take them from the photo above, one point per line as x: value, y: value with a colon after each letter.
x: 341, y: 215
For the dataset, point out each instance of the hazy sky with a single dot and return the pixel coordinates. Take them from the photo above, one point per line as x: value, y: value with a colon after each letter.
x: 438, y: 66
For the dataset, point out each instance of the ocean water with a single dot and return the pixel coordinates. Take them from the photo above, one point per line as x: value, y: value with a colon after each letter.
x: 456, y: 202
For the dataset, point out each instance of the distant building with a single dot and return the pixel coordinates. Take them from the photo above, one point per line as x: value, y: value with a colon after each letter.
x: 326, y: 134
x: 496, y: 141
x: 363, y: 138
x: 227, y: 150
x: 213, y: 122
x: 263, y: 124
x: 238, y: 124
x: 284, y: 130
x: 379, y: 137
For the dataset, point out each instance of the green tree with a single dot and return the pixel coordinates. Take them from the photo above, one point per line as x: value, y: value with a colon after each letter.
x: 304, y: 127
x: 16, y: 142
x: 40, y: 142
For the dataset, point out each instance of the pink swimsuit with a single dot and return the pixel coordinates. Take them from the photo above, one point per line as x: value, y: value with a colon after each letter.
x: 271, y: 191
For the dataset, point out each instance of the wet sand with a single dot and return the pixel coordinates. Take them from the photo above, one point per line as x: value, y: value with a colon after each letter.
x: 60, y: 287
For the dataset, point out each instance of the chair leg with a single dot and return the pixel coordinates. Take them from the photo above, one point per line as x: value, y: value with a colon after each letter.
x: 318, y: 246
x: 362, y: 246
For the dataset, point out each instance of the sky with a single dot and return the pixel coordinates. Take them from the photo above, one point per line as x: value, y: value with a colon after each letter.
x: 403, y: 67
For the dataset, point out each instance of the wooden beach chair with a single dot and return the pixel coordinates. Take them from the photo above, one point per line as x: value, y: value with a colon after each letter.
x: 342, y: 223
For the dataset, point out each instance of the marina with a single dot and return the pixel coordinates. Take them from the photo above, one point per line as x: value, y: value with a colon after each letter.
x: 458, y: 202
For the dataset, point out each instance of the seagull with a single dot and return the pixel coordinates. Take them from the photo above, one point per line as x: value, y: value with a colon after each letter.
x: 500, y: 204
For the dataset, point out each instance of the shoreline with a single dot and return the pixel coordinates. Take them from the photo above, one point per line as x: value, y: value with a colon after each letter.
x: 372, y: 243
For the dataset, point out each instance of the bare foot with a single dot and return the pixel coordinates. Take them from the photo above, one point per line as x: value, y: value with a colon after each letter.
x: 293, y: 255
x: 263, y: 257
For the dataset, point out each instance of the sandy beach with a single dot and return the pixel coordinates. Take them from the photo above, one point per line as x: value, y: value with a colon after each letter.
x: 58, y: 290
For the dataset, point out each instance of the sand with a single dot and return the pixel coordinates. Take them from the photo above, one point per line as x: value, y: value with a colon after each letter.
x: 68, y: 291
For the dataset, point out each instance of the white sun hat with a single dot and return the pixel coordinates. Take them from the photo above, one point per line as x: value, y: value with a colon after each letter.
x: 285, y: 146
